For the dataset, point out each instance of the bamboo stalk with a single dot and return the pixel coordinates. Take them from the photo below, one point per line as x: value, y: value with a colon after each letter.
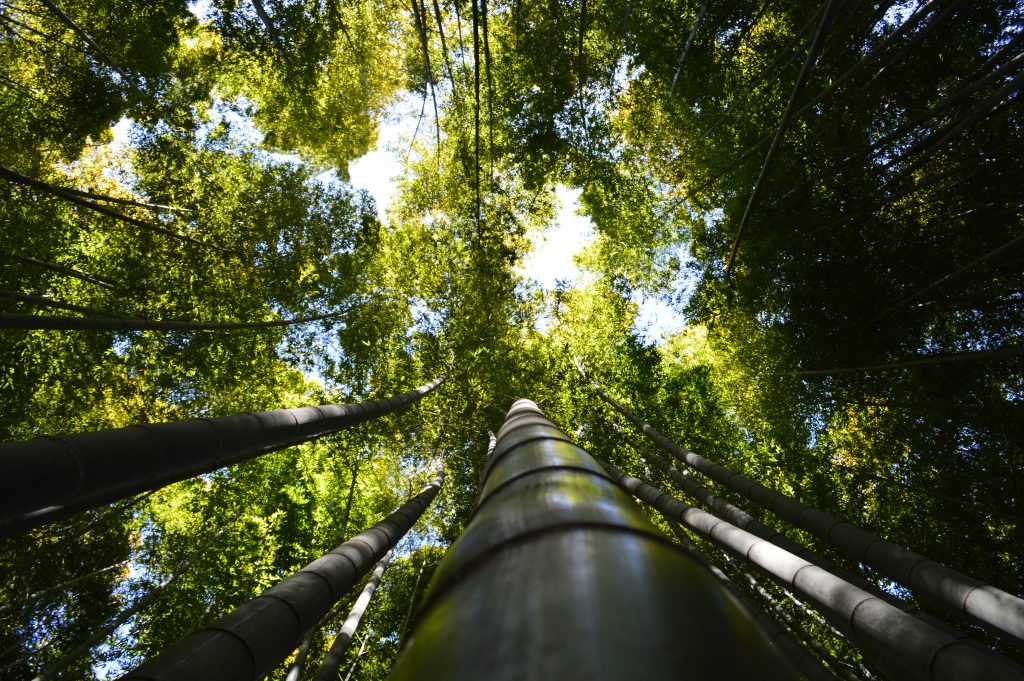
x: 979, y: 602
x: 558, y: 575
x: 908, y: 648
x: 52, y: 477
x: 329, y: 668
x: 250, y: 641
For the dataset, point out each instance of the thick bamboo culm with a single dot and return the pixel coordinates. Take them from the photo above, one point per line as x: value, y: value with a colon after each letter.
x: 331, y: 664
x: 901, y: 646
x: 52, y: 477
x: 745, y: 521
x: 802, y: 659
x: 1001, y: 612
x: 559, y: 575
x: 250, y: 641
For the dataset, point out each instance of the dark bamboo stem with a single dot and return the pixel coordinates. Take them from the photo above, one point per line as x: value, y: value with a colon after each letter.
x: 250, y: 641
x: 52, y: 477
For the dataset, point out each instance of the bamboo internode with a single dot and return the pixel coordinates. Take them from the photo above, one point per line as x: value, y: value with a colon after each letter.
x: 979, y: 602
x: 558, y: 575
x: 52, y: 477
x: 250, y: 641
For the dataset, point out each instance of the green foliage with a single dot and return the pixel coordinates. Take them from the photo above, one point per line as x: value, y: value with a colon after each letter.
x: 884, y: 229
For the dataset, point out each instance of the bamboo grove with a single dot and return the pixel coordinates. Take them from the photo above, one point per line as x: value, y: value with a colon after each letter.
x: 257, y: 421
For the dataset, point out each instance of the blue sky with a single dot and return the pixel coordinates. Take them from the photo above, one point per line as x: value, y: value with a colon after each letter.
x: 552, y: 257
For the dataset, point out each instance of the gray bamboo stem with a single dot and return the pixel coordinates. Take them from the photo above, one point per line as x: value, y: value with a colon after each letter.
x: 743, y: 520
x: 250, y: 641
x: 306, y: 644
x: 907, y: 646
x: 1000, y: 611
x: 359, y: 655
x: 52, y: 477
x: 328, y: 670
x: 798, y: 630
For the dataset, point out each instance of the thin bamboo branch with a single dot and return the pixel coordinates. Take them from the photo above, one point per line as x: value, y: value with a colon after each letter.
x: 83, y: 648
x: 827, y: 18
x: 331, y: 664
x: 686, y: 48
x: 18, y: 178
x: 64, y: 269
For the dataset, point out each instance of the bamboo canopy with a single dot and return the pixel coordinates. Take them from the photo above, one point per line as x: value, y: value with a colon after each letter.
x: 558, y: 575
x: 250, y: 641
x: 998, y: 610
x: 52, y: 477
x: 901, y: 646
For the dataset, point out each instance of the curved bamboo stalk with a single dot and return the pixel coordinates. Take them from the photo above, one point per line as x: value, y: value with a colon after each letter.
x: 63, y: 269
x: 328, y: 670
x: 250, y: 641
x: 908, y: 648
x: 51, y: 477
x: 559, y: 576
x: 16, y: 320
x: 73, y: 197
x: 998, y: 610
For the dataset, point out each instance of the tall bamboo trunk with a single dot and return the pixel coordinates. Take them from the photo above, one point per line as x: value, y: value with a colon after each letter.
x: 250, y: 641
x: 743, y: 520
x: 982, y: 603
x: 560, y: 576
x: 53, y: 477
x: 331, y: 664
x: 900, y: 645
